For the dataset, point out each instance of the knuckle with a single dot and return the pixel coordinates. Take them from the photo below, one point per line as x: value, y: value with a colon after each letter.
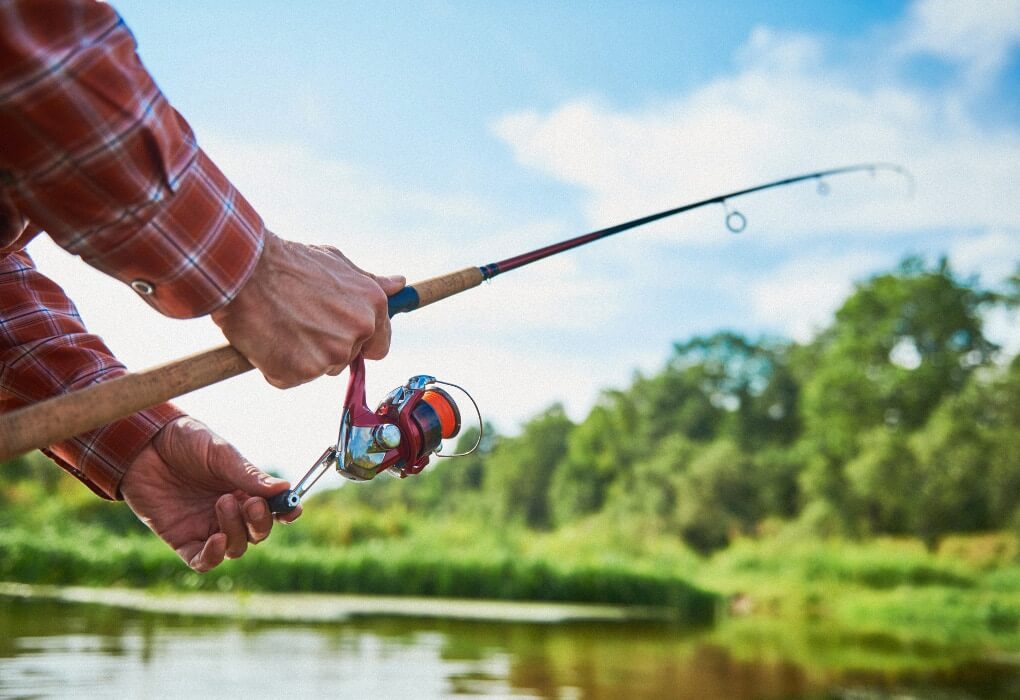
x: 364, y: 327
x: 340, y: 358
x: 378, y: 300
x: 328, y: 250
x: 379, y: 348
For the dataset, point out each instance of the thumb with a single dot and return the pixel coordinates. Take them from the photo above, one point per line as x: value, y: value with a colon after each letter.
x: 391, y: 284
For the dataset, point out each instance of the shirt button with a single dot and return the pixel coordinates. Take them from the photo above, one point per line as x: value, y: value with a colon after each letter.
x: 142, y: 287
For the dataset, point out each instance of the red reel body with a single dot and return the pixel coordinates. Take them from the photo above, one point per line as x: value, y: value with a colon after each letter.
x: 423, y: 415
x: 400, y: 436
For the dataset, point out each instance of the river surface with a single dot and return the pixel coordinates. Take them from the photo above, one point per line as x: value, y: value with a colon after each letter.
x: 50, y: 649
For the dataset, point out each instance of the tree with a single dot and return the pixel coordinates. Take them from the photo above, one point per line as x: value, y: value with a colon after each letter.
x: 899, y: 344
x: 883, y: 479
x: 652, y: 488
x: 447, y: 485
x: 600, y: 450
x: 520, y: 469
x: 951, y: 492
x: 722, y: 384
x: 718, y: 496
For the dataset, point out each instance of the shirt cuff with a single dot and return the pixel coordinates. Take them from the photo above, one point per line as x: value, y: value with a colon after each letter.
x: 193, y: 254
x: 100, y: 458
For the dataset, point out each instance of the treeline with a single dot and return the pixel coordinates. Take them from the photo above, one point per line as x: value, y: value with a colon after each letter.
x: 899, y: 418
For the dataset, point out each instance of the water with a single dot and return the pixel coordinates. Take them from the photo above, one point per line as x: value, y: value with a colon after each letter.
x: 64, y: 651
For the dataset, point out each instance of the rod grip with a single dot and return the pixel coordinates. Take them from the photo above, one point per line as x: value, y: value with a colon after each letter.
x: 48, y: 422
x: 433, y: 289
x: 56, y: 419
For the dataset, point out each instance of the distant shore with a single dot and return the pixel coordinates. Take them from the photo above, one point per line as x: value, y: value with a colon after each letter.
x: 323, y: 607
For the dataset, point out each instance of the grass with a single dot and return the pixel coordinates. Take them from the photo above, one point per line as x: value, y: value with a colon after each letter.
x: 399, y: 567
x: 967, y: 592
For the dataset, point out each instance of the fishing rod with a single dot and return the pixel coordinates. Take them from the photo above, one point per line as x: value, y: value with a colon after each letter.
x: 423, y: 293
x: 408, y: 426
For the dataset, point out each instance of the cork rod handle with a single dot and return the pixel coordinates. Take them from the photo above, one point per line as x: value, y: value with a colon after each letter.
x: 59, y: 418
x: 56, y: 419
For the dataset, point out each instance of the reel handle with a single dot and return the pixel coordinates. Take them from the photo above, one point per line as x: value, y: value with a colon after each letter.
x: 283, y: 502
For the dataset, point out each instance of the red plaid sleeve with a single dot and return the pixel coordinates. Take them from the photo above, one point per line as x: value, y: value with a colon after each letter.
x: 45, y: 350
x: 92, y: 153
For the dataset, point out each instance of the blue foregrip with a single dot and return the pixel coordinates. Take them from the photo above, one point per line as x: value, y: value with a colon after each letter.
x: 404, y: 300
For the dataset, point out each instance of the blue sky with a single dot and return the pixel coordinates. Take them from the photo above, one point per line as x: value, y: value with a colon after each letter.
x: 424, y: 137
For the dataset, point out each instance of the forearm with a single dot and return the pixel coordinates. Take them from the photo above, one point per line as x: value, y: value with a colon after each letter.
x: 45, y: 350
x: 92, y: 153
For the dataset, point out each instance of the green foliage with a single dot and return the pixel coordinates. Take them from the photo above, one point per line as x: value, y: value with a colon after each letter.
x: 881, y: 564
x: 652, y: 489
x: 520, y: 470
x: 749, y: 384
x: 884, y: 470
x: 720, y: 497
x: 897, y: 419
x: 952, y: 487
x: 899, y: 344
x: 598, y: 451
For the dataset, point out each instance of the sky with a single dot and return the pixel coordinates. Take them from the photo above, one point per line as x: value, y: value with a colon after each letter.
x: 424, y: 137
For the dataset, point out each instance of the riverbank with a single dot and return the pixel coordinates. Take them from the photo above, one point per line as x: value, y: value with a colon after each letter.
x: 432, y: 569
x: 965, y: 591
x: 322, y: 608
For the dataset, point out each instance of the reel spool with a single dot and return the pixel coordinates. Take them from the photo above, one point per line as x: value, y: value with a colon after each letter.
x: 400, y: 436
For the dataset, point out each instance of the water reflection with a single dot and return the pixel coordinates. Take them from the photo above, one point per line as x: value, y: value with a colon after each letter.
x: 57, y: 650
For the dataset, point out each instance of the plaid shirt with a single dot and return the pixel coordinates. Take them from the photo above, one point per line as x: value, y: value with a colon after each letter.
x: 92, y: 153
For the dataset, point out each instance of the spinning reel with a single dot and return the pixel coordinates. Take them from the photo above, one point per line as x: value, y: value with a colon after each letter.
x: 399, y: 437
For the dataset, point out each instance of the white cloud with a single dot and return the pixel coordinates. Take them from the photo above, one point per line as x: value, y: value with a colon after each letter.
x: 992, y: 255
x: 307, y: 196
x: 789, y: 108
x: 1002, y: 326
x: 767, y: 48
x: 801, y: 296
x: 979, y: 35
x: 759, y: 125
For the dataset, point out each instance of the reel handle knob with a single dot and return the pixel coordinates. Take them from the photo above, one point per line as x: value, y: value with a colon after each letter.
x: 283, y: 502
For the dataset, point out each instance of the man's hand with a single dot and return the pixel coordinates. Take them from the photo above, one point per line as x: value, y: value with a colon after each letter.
x: 307, y: 311
x: 200, y: 496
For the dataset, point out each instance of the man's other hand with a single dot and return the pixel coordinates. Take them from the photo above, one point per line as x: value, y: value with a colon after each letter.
x: 307, y: 311
x: 199, y: 495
